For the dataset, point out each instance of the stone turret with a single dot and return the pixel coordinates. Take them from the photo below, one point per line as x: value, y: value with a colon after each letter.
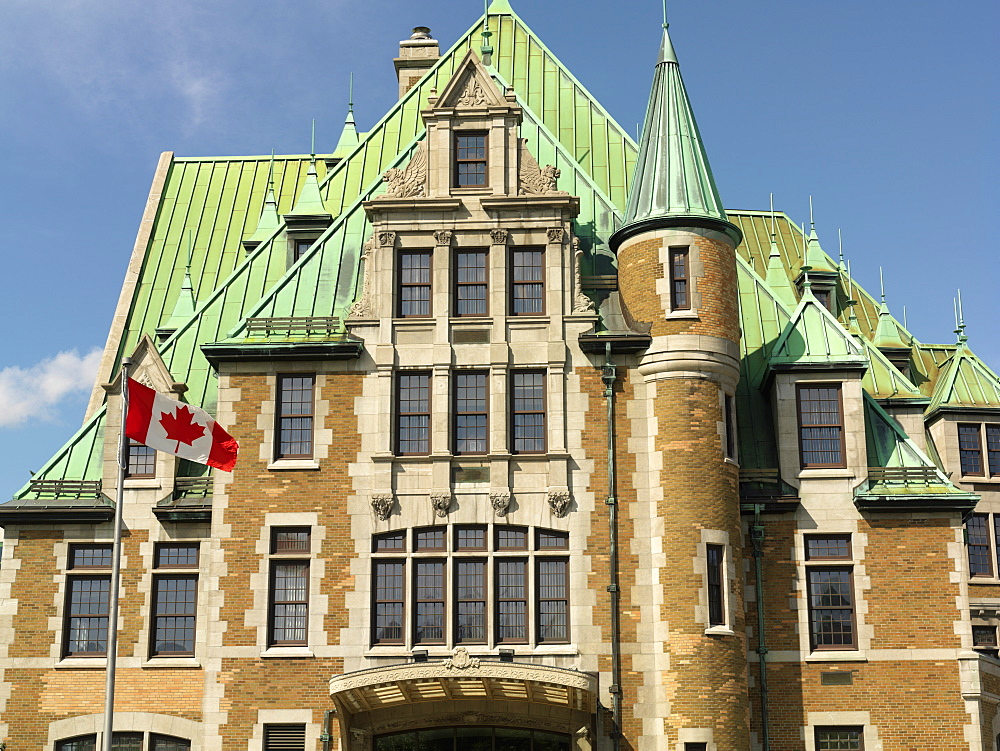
x: 677, y: 272
x: 416, y: 56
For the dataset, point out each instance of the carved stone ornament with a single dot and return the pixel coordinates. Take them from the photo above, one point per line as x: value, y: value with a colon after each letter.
x: 559, y: 501
x: 500, y: 500
x: 382, y: 505
x: 499, y: 236
x: 474, y: 95
x: 363, y: 307
x: 581, y: 303
x: 145, y: 380
x: 533, y: 180
x: 460, y: 660
x: 386, y: 239
x: 409, y: 181
x: 359, y: 735
x: 441, y: 501
x: 556, y: 234
x: 443, y: 237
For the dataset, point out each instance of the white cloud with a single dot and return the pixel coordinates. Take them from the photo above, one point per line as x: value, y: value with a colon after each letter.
x: 33, y: 393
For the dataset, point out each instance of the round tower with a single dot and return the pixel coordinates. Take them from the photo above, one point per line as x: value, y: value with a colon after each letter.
x: 677, y: 272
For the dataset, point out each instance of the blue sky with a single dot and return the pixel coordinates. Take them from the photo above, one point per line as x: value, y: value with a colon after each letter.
x: 888, y: 118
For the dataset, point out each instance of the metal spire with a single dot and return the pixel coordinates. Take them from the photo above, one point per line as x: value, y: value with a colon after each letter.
x: 960, y: 322
x: 881, y: 284
x: 350, y: 94
x: 486, y: 50
x: 312, y: 141
x: 840, y: 242
x: 806, y: 268
x: 852, y: 319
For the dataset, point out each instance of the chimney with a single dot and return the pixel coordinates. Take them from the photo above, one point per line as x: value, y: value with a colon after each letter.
x: 416, y: 55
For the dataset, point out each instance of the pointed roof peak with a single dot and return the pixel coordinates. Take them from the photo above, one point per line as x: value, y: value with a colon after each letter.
x: 673, y: 179
x: 499, y: 7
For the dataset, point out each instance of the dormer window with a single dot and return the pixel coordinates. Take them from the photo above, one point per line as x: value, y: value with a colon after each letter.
x: 821, y: 426
x: 470, y: 159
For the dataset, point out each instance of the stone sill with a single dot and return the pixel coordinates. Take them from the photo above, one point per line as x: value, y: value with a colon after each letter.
x: 158, y: 663
x: 719, y: 631
x: 284, y: 652
x: 837, y: 656
x: 285, y: 464
x: 826, y: 474
x: 82, y: 663
x: 521, y: 651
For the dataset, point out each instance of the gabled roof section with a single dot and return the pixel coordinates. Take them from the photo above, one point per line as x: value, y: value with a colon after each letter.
x: 814, y: 337
x: 888, y: 332
x: 672, y: 176
x: 965, y: 382
x: 469, y: 74
x: 883, y: 380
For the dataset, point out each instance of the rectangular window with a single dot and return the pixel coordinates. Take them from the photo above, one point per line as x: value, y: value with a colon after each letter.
x: 470, y: 160
x: 830, y: 593
x: 512, y: 600
x: 285, y: 737
x: 289, y: 587
x: 414, y: 274
x: 822, y: 297
x: 716, y: 595
x: 141, y: 460
x: 388, y: 594
x: 984, y: 640
x: 993, y: 448
x: 413, y: 411
x: 970, y: 449
x: 729, y: 406
x: 527, y: 282
x: 295, y: 417
x: 470, y: 538
x: 470, y: 283
x: 174, y: 600
x: 839, y: 739
x: 470, y: 601
x: 821, y: 426
x: 300, y: 248
x: 470, y: 412
x: 553, y: 600
x: 390, y: 541
x: 977, y: 534
x: 125, y: 742
x: 428, y: 602
x: 527, y: 412
x: 87, y: 601
x: 695, y: 747
x: 679, y: 297
x: 428, y: 538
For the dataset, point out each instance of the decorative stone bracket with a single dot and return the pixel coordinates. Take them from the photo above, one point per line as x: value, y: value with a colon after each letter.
x: 382, y: 504
x: 500, y: 500
x: 441, y: 502
x: 559, y: 499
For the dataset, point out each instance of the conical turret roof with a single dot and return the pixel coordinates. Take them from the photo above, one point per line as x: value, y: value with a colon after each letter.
x: 673, y: 178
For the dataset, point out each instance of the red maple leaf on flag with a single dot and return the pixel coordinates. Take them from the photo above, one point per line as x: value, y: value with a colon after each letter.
x: 181, y: 427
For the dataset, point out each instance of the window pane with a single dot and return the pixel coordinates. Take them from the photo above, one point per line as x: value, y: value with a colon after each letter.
x: 166, y: 743
x: 978, y: 545
x: 550, y: 540
x: 528, y: 411
x: 126, y: 742
x: 470, y: 538
x: 512, y: 605
x: 429, y: 602
x: 90, y: 556
x: 820, y: 427
x: 289, y: 540
x: 470, y: 413
x: 831, y: 606
x: 470, y: 601
x: 174, y: 615
x: 87, y: 610
x: 388, y: 602
x: 512, y: 538
x: 415, y: 284
x: 176, y: 555
x: 413, y: 407
x: 390, y: 541
x: 679, y: 279
x: 431, y: 538
x: 838, y: 546
x: 838, y: 739
x: 993, y: 448
x: 295, y: 416
x: 470, y: 283
x: 141, y: 460
x: 527, y: 282
x: 969, y: 449
x: 714, y: 554
x: 553, y: 602
x: 290, y: 587
x: 82, y: 743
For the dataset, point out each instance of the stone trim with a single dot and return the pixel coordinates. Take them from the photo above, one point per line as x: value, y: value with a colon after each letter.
x: 147, y: 722
x: 824, y: 719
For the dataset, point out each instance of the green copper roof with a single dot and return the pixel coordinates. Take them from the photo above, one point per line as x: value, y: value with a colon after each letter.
x: 887, y: 333
x: 269, y: 221
x: 815, y: 255
x: 310, y: 202
x: 965, y: 382
x: 672, y: 175
x: 348, y: 137
x: 814, y: 336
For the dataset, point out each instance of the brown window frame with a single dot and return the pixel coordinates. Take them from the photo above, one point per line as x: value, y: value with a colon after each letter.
x: 515, y: 284
x: 135, y: 450
x: 729, y: 418
x: 991, y: 648
x: 799, y: 388
x: 288, y: 557
x: 457, y: 413
x: 526, y: 599
x: 680, y: 284
x: 164, y: 571
x: 93, y: 574
x: 401, y: 286
x: 514, y: 412
x: 441, y: 600
x: 988, y: 540
x: 859, y: 729
x: 376, y: 602
x: 715, y: 573
x: 400, y: 415
x: 459, y: 286
x: 460, y: 602
x: 986, y: 451
x: 459, y: 548
x: 540, y: 637
x: 280, y: 430
x: 423, y: 547
x: 458, y: 160
x: 300, y: 247
x: 828, y: 564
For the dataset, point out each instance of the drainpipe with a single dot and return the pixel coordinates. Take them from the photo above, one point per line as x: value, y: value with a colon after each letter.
x: 757, y: 538
x: 609, y: 376
x: 325, y: 737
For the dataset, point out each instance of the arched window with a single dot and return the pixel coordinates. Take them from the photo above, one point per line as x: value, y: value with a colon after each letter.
x: 470, y: 584
x: 126, y: 742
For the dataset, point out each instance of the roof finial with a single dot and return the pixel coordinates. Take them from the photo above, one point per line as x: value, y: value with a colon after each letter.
x: 806, y: 268
x: 772, y: 217
x: 840, y: 241
x: 665, y: 24
x: 350, y: 93
x: 852, y: 319
x: 486, y: 49
x: 187, y: 267
x: 812, y: 224
x: 312, y: 141
x: 962, y: 338
x: 270, y: 173
x: 881, y: 284
x: 904, y: 318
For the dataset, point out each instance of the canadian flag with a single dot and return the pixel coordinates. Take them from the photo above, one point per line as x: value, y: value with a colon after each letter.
x: 177, y: 428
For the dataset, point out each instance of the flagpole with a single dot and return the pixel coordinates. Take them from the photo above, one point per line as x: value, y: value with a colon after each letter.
x: 116, y: 568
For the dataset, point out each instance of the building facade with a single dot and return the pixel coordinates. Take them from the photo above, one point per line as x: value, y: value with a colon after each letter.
x: 541, y: 450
